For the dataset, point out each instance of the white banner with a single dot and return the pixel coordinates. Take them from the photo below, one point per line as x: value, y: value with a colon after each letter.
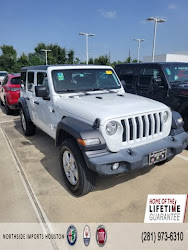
x: 165, y: 208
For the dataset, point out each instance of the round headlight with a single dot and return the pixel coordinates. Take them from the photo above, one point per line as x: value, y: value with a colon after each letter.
x: 165, y: 116
x: 111, y: 128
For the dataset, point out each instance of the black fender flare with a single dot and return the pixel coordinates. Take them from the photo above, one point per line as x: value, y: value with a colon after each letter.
x: 79, y: 130
x: 23, y: 103
x: 183, y: 109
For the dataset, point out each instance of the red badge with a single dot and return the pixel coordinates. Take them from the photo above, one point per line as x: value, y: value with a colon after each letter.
x: 101, y: 235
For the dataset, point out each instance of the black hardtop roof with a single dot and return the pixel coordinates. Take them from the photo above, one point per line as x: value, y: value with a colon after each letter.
x: 44, y: 67
x: 151, y: 63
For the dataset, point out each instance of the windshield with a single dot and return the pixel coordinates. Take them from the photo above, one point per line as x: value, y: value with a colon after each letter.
x: 74, y: 80
x: 176, y: 73
x: 3, y: 74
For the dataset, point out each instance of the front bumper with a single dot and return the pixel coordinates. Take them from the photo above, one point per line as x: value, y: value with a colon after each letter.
x: 101, y: 161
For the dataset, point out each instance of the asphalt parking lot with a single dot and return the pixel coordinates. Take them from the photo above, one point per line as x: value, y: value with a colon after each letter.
x: 115, y: 199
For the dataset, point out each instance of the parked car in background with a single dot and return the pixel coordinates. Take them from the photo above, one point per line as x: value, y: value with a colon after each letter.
x: 166, y: 82
x: 10, y: 92
x: 2, y: 76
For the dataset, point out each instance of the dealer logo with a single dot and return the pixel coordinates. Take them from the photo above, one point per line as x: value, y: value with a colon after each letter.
x: 71, y: 235
x: 87, y: 235
x: 101, y: 235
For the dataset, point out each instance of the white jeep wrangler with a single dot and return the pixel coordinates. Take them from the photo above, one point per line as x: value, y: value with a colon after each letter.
x: 98, y: 126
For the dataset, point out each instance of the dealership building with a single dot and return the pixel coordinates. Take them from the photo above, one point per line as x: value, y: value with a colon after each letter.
x: 167, y: 58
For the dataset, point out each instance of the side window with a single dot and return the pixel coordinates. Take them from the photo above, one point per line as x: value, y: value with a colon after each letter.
x: 147, y: 75
x: 30, y: 81
x: 23, y: 80
x: 42, y: 80
x: 128, y: 76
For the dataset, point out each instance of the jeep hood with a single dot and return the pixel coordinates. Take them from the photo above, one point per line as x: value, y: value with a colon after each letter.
x: 107, y: 106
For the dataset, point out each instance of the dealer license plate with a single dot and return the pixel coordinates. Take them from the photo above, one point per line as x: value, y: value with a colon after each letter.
x: 157, y: 156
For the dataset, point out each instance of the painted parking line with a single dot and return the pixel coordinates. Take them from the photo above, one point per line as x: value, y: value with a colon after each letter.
x: 183, y: 157
x: 16, y: 119
x: 41, y: 215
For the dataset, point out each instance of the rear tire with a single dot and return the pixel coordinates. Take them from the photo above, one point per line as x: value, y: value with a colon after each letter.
x: 79, y: 179
x: 28, y: 127
x: 2, y: 104
x: 8, y: 110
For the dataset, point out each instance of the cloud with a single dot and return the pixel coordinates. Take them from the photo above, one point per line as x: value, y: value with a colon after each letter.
x: 112, y: 14
x: 172, y: 7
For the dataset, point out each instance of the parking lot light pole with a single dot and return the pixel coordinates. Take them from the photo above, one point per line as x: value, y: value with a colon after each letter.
x: 156, y: 20
x: 139, y: 40
x: 46, y: 51
x: 86, y: 34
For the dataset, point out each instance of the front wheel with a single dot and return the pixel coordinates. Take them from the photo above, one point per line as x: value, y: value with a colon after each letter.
x: 78, y: 178
x: 28, y: 127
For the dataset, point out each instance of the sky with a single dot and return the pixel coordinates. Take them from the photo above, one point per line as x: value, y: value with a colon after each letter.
x: 115, y: 23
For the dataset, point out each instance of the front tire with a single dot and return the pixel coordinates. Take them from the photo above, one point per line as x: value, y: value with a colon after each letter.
x: 28, y: 127
x: 185, y: 123
x: 78, y: 178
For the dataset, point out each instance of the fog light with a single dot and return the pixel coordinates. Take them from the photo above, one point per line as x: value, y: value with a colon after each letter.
x: 180, y: 120
x: 115, y: 166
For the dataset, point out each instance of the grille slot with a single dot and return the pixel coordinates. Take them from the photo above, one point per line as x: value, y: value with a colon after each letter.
x: 140, y: 127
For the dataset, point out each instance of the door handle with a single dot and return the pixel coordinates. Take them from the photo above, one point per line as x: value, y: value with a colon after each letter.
x: 36, y: 102
x: 27, y: 98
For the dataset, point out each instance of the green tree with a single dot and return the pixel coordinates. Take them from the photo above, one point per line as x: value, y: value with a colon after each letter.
x: 128, y: 59
x: 77, y: 60
x: 91, y: 61
x: 70, y: 54
x: 102, y: 60
x: 35, y: 59
x: 23, y: 60
x: 57, y: 55
x: 8, y: 59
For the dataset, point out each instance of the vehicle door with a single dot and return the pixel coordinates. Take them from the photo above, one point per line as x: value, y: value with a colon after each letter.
x: 128, y: 75
x: 30, y: 95
x: 151, y: 83
x: 45, y: 113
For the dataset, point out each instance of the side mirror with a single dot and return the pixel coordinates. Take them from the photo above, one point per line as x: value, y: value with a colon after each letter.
x: 158, y: 83
x: 40, y: 91
x: 22, y: 86
x: 123, y: 83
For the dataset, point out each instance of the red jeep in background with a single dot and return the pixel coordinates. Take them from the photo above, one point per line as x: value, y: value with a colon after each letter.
x: 10, y: 92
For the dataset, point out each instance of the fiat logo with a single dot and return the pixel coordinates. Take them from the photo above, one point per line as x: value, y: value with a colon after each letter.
x: 101, y: 235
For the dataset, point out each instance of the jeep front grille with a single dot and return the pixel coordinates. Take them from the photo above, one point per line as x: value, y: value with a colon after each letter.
x: 142, y: 127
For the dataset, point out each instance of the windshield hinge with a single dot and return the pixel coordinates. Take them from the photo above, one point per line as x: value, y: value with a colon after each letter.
x: 96, y: 123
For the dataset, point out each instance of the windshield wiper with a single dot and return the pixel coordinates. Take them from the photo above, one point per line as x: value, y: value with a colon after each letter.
x: 94, y: 89
x: 65, y: 90
x: 176, y: 81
